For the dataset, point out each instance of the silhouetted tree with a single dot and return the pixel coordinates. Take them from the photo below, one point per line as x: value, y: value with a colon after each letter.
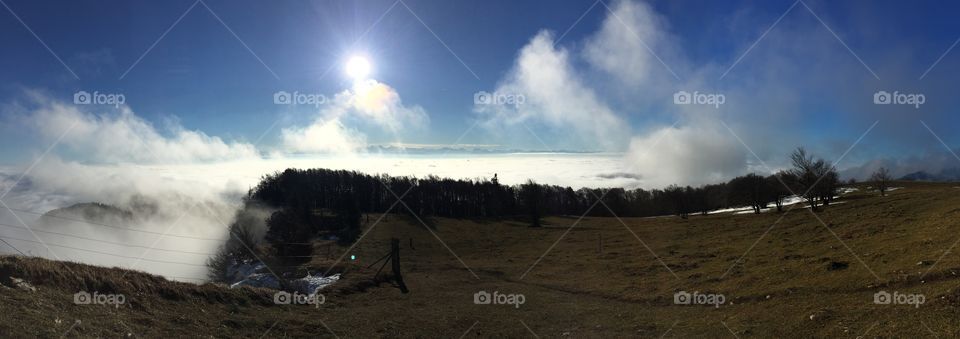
x: 676, y: 195
x: 348, y: 217
x: 829, y: 185
x: 531, y: 194
x: 779, y: 185
x: 881, y: 179
x: 288, y: 234
x: 751, y: 190
x: 717, y: 196
x: 814, y: 178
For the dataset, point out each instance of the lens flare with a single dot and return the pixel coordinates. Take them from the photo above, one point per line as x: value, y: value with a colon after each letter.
x: 358, y: 67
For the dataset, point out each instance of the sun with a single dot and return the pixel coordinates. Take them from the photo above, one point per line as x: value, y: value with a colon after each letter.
x: 358, y: 67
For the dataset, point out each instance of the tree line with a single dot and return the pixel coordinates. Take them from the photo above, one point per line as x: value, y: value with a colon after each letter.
x: 309, y: 203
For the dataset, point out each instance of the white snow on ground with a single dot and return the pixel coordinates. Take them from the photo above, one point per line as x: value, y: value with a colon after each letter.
x: 240, y: 271
x: 258, y: 280
x: 872, y: 189
x: 311, y: 284
x: 245, y: 274
x: 728, y: 210
x: 786, y: 202
x: 739, y: 210
x: 848, y: 190
x: 750, y: 210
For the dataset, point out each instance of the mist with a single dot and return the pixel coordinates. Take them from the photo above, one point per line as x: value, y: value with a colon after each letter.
x: 605, y: 92
x: 167, y: 207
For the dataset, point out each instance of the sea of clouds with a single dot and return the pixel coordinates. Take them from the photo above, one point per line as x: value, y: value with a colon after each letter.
x: 587, y: 91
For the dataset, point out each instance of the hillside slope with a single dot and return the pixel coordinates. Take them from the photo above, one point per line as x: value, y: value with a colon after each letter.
x: 800, y: 275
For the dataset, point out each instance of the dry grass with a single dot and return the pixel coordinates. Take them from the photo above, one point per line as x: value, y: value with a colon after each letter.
x: 576, y: 289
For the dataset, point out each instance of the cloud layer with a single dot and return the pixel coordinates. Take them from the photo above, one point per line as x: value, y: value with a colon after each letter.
x: 119, y: 135
x: 554, y: 94
x: 622, y: 67
x: 368, y: 103
x: 184, y: 183
x: 613, y: 90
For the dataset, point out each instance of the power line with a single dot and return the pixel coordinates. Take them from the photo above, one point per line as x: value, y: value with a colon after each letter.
x: 45, y: 215
x: 105, y: 241
x: 103, y: 253
x: 165, y: 276
x: 11, y: 246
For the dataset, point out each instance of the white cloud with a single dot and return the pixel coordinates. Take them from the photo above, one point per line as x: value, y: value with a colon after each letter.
x: 166, y: 201
x: 554, y: 94
x: 629, y: 43
x: 125, y: 161
x: 594, y: 88
x: 323, y: 136
x: 369, y: 102
x: 379, y: 103
x: 622, y: 62
x: 122, y: 136
x: 689, y: 155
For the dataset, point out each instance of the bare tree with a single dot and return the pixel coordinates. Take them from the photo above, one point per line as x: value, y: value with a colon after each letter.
x: 815, y: 178
x: 881, y: 178
x: 804, y: 170
x: 752, y: 190
x: 778, y: 185
x: 829, y: 184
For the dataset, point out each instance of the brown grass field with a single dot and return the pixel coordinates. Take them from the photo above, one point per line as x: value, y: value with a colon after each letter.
x: 800, y: 279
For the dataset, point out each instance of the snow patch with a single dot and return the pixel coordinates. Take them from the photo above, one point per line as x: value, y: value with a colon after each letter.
x: 745, y: 210
x: 266, y: 280
x: 240, y: 271
x: 750, y: 210
x: 250, y: 274
x: 848, y: 190
x: 311, y: 284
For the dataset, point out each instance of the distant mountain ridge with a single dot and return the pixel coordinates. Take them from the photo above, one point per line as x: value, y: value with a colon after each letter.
x: 101, y: 213
x: 94, y: 212
x: 946, y: 175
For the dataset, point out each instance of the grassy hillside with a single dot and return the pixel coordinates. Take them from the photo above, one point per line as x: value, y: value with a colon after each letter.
x: 797, y: 280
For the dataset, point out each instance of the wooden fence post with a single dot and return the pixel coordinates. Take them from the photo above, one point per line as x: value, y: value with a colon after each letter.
x: 395, y: 257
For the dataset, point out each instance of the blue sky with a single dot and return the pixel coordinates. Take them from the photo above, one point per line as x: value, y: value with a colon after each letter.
x: 810, y: 87
x: 203, y: 75
x: 660, y: 92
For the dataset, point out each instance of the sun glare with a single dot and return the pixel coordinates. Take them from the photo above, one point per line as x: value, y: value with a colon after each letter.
x: 358, y: 67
